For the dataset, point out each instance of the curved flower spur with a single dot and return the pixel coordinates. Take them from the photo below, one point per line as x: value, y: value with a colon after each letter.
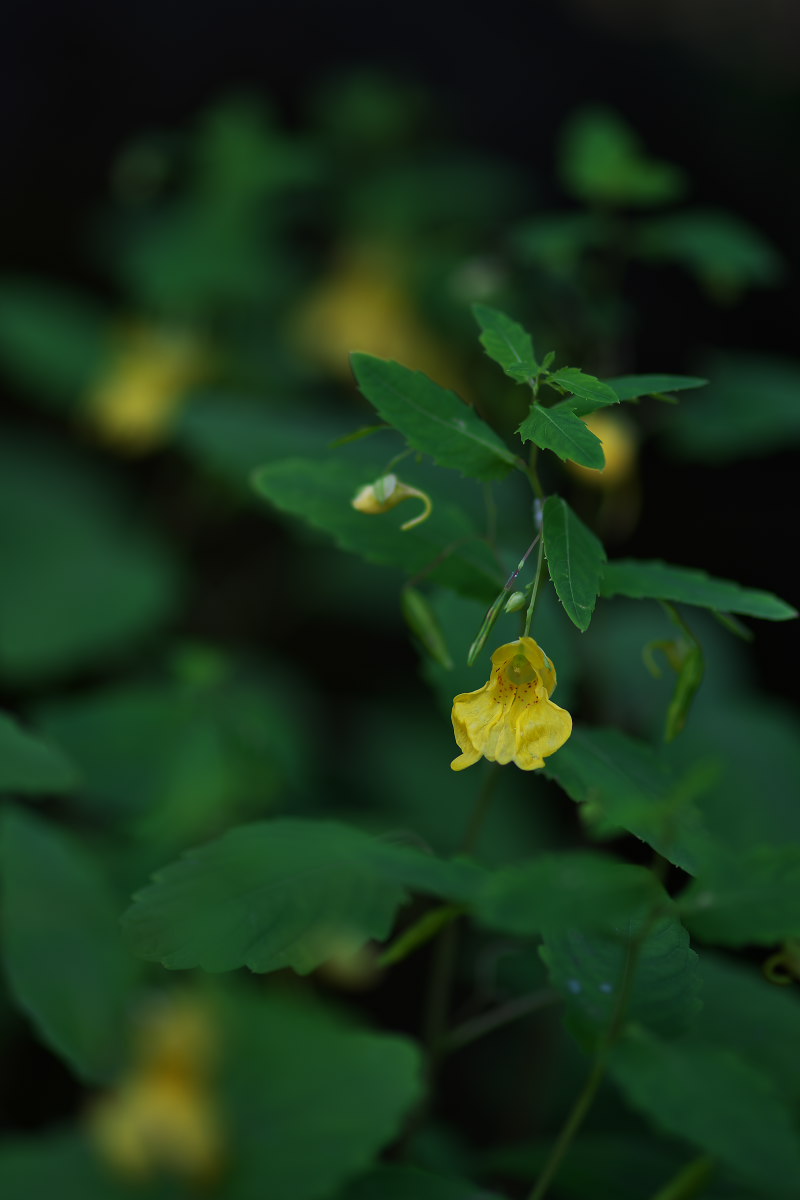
x: 512, y: 718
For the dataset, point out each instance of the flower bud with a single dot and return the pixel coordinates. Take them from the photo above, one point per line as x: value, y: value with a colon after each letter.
x: 387, y: 492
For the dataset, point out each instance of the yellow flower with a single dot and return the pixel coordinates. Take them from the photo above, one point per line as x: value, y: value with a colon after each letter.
x: 618, y: 436
x: 512, y: 718
x: 387, y: 492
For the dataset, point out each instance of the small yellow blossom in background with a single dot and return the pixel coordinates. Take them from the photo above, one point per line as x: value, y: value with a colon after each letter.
x: 512, y: 718
x: 620, y: 446
x: 362, y: 304
x: 386, y: 493
x: 163, y: 1116
x: 134, y: 403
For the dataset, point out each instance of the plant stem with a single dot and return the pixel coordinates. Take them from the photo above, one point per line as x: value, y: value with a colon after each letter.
x: 690, y: 1181
x: 479, y: 812
x: 419, y: 933
x: 496, y: 1018
x: 535, y: 590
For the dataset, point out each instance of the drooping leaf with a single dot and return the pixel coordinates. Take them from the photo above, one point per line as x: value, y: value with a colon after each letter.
x: 631, y: 387
x: 559, y: 892
x: 84, y: 580
x: 750, y: 897
x: 321, y: 493
x: 281, y: 893
x: 311, y: 1099
x: 64, y: 954
x: 575, y: 558
x: 714, y: 1100
x: 432, y: 419
x: 658, y: 580
x: 601, y: 162
x: 644, y: 963
x: 507, y: 343
x: 560, y: 430
x: 588, y: 393
x: 630, y: 783
x: 29, y: 764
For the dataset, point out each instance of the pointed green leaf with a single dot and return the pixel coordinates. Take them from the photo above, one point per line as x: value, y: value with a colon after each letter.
x: 281, y: 893
x: 507, y: 343
x: 630, y: 784
x: 752, y: 897
x: 631, y: 387
x: 321, y: 493
x: 64, y: 954
x: 559, y: 430
x: 591, y: 970
x: 658, y: 580
x: 432, y: 419
x: 560, y: 891
x: 28, y: 764
x: 311, y: 1100
x: 588, y: 392
x: 716, y: 1101
x: 575, y: 558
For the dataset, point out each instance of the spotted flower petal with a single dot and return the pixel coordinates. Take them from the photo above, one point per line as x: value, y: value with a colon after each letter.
x: 512, y: 718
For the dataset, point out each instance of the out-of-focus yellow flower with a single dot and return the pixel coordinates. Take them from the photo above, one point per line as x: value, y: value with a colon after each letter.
x: 363, y: 305
x: 620, y: 447
x: 512, y: 718
x: 387, y: 492
x: 134, y: 403
x: 164, y: 1114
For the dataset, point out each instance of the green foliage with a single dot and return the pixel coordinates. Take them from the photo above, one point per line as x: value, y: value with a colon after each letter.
x: 62, y: 947
x: 752, y: 898
x: 715, y: 1100
x: 589, y: 392
x: 432, y: 419
x: 575, y: 559
x: 409, y: 1183
x: 507, y: 343
x: 559, y: 430
x: 28, y: 764
x: 721, y: 250
x: 602, y: 163
x: 448, y: 543
x: 683, y: 585
x: 281, y: 893
x: 64, y: 1164
x: 633, y: 387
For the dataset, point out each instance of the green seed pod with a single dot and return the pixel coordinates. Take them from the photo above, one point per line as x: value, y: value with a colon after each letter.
x: 515, y: 602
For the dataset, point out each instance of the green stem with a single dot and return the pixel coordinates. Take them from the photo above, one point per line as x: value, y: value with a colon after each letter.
x: 419, y: 933
x: 533, y: 474
x: 690, y: 1181
x: 535, y: 590
x: 497, y: 1018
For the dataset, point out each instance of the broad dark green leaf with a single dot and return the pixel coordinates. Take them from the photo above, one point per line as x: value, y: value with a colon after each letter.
x: 64, y: 1164
x: 321, y: 493
x: 630, y: 784
x: 394, y: 1182
x: 631, y: 387
x: 28, y: 764
x: 724, y: 252
x: 658, y: 580
x: 84, y: 580
x: 432, y: 419
x: 575, y: 558
x: 282, y: 893
x: 750, y: 897
x: 311, y: 1100
x: 602, y: 162
x: 64, y: 954
x: 592, y: 971
x: 715, y: 1100
x: 558, y: 892
x: 588, y: 393
x: 507, y: 343
x: 560, y: 430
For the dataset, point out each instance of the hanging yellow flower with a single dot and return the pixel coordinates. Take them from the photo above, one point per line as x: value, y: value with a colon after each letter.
x: 512, y: 718
x: 386, y: 493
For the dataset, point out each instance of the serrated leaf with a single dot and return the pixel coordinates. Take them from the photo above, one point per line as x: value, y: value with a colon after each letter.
x: 656, y: 580
x: 432, y: 419
x: 716, y: 1101
x: 575, y: 558
x: 558, y: 892
x: 559, y: 430
x: 281, y: 893
x: 321, y: 493
x: 588, y: 393
x: 64, y: 955
x: 630, y: 783
x: 750, y: 897
x: 632, y: 387
x: 297, y: 1079
x: 592, y: 970
x: 29, y: 764
x: 507, y: 343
